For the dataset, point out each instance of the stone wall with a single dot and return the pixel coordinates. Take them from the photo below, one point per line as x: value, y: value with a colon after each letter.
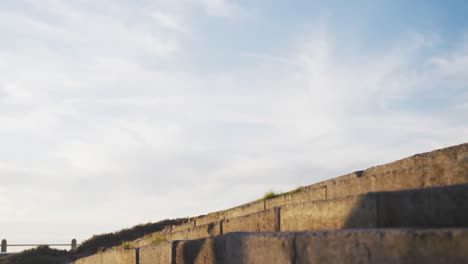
x: 445, y: 206
x: 156, y: 253
x: 330, y: 214
x: 425, y: 190
x: 387, y: 246
x: 265, y: 221
x: 442, y: 167
x: 115, y: 255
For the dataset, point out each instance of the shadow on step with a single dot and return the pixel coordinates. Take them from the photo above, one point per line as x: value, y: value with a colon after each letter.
x: 438, y: 207
x: 441, y: 207
x: 208, y: 250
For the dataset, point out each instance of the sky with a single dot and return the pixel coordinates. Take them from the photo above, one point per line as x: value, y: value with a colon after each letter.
x: 116, y: 113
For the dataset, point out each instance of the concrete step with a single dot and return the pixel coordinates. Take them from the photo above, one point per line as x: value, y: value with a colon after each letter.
x: 427, y: 190
x: 443, y: 167
x: 439, y: 207
x: 364, y: 246
x: 383, y: 246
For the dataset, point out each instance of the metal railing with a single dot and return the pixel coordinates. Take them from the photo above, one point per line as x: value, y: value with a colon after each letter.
x: 5, y: 245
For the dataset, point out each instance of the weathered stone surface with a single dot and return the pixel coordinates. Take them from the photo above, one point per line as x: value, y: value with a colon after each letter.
x: 403, y: 195
x: 238, y: 248
x: 386, y: 246
x: 110, y: 256
x: 306, y: 195
x: 437, y: 168
x: 383, y: 246
x: 349, y: 212
x: 265, y: 221
x: 242, y: 210
x: 430, y: 207
x: 259, y: 248
x: 160, y: 253
x: 185, y: 226
x: 151, y: 238
x: 93, y: 259
x: 119, y: 256
x: 202, y: 251
x: 207, y: 219
x: 347, y: 185
x: 197, y: 232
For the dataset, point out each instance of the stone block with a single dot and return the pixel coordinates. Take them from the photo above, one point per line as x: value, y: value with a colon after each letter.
x: 201, y: 251
x: 242, y: 210
x: 429, y: 208
x: 349, y: 212
x: 349, y: 185
x: 119, y: 256
x: 207, y: 219
x: 160, y: 253
x: 197, y: 232
x: 442, y: 167
x: 151, y: 239
x: 268, y: 248
x: 265, y: 221
x: 184, y: 226
x: 386, y: 246
x: 93, y: 259
x: 306, y: 195
x: 437, y: 168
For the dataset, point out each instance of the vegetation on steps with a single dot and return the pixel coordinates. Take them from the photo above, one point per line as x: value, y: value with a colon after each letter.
x: 273, y: 194
x: 123, y: 238
x: 99, y: 242
x: 270, y: 195
x: 46, y: 255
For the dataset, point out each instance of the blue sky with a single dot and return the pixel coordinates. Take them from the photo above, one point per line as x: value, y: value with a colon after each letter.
x: 115, y: 113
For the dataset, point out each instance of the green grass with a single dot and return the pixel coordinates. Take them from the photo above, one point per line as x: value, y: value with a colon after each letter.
x: 98, y: 243
x: 126, y: 245
x: 298, y: 189
x: 270, y: 195
x: 108, y: 240
x: 273, y: 194
x: 157, y: 238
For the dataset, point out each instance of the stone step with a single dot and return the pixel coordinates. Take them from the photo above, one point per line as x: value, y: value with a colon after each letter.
x: 438, y: 207
x: 443, y: 167
x: 364, y: 246
x: 384, y: 246
x: 428, y: 190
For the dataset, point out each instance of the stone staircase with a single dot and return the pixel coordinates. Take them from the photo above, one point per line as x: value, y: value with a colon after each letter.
x: 414, y: 210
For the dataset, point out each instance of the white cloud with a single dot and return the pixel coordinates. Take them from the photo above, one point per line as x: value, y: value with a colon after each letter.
x: 103, y: 114
x: 221, y: 8
x: 170, y: 21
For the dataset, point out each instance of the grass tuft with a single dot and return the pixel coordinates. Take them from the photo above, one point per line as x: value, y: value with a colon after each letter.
x: 270, y: 195
x: 108, y: 240
x: 157, y: 238
x: 273, y: 194
x: 126, y: 245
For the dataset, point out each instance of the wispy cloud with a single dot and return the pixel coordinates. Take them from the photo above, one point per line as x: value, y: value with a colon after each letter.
x: 221, y: 8
x: 103, y: 104
x: 170, y: 21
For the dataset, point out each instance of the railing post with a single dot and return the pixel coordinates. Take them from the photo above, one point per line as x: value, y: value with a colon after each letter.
x: 4, y: 246
x: 73, y: 244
